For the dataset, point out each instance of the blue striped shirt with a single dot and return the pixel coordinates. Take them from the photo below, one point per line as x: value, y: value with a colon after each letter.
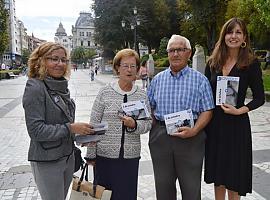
x: 170, y: 93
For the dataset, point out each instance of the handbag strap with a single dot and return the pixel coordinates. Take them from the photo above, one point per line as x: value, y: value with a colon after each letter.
x: 94, y: 182
x: 84, y: 171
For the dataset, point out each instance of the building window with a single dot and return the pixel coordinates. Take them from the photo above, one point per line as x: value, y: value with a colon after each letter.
x: 88, y: 34
x: 89, y: 43
x: 81, y: 43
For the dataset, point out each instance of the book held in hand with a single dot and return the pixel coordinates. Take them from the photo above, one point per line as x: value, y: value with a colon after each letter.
x: 136, y: 109
x: 99, y: 129
x: 179, y: 119
x: 227, y: 90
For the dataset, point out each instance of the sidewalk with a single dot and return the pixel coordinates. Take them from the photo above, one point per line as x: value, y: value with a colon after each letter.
x: 16, y: 180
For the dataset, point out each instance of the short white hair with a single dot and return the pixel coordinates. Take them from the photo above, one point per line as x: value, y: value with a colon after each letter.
x: 175, y: 38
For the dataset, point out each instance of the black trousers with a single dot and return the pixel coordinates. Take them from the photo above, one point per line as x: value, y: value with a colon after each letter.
x: 174, y: 159
x: 119, y: 175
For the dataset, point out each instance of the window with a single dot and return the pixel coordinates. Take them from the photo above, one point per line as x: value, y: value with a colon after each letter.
x: 89, y: 43
x: 81, y: 43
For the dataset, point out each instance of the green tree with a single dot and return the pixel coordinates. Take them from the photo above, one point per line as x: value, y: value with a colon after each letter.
x: 4, y: 37
x: 78, y: 55
x: 163, y: 47
x: 153, y: 16
x: 25, y: 56
x: 208, y: 16
x: 108, y: 29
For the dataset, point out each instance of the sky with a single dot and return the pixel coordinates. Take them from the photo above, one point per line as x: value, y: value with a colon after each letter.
x: 42, y: 17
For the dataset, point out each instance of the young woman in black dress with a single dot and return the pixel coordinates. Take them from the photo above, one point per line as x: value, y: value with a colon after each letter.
x: 228, y: 156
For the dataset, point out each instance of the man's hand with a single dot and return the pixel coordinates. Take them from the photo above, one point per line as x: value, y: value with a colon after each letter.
x: 185, y: 132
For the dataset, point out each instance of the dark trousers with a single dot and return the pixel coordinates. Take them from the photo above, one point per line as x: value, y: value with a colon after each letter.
x: 176, y: 159
x: 119, y: 175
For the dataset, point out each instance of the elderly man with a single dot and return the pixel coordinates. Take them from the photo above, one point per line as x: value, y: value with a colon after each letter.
x: 179, y: 155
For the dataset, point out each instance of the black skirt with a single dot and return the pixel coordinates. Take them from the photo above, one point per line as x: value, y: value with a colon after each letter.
x: 119, y: 175
x: 228, y: 152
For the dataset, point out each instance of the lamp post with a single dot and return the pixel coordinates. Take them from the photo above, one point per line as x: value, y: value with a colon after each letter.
x: 133, y: 26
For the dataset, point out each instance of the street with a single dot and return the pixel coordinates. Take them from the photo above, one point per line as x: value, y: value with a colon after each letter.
x: 16, y: 180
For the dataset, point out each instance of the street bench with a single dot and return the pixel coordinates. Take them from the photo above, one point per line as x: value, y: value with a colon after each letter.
x: 12, y: 75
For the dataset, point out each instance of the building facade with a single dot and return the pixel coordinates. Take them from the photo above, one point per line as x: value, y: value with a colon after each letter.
x: 83, y: 32
x: 62, y: 38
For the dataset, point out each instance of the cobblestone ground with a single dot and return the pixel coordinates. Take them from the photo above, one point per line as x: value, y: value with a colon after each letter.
x: 16, y: 180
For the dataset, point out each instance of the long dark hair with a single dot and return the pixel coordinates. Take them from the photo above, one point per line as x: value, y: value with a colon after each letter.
x: 220, y: 53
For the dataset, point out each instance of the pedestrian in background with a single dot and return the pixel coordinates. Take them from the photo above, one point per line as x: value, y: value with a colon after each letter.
x: 116, y: 155
x: 49, y: 115
x: 143, y: 74
x: 179, y: 156
x: 228, y: 159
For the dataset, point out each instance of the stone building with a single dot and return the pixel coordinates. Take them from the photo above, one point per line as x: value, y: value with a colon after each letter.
x: 83, y: 31
x: 61, y: 37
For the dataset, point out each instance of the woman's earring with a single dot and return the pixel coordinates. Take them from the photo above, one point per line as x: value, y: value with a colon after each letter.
x: 243, y: 45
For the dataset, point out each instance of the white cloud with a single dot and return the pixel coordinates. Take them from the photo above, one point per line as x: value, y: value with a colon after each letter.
x: 42, y: 17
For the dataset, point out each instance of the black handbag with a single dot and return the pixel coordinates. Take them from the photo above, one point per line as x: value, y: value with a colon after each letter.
x: 79, y: 162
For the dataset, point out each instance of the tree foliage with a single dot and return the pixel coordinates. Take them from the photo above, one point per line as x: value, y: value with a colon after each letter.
x: 200, y: 21
x: 81, y: 55
x: 4, y: 37
x: 25, y: 55
x: 208, y: 16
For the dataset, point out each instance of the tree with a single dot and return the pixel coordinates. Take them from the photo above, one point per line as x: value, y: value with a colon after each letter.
x: 108, y: 18
x: 163, y: 47
x: 78, y: 55
x: 25, y: 56
x: 4, y: 37
x: 208, y: 16
x: 109, y: 14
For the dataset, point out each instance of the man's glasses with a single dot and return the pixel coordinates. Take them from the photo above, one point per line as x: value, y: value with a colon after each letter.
x: 126, y: 66
x: 178, y: 50
x: 57, y: 60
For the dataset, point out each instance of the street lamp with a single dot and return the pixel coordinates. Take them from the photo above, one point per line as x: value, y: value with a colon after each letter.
x: 133, y: 26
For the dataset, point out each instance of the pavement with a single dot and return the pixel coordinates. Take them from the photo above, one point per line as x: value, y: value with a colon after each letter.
x: 16, y: 180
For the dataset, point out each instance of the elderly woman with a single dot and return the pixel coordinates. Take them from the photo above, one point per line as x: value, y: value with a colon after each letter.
x: 117, y: 155
x: 49, y: 116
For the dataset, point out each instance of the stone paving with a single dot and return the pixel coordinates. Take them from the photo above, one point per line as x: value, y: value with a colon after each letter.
x: 16, y: 180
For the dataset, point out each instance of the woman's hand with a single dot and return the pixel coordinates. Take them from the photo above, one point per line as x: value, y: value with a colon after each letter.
x: 229, y: 109
x: 81, y: 128
x: 128, y: 121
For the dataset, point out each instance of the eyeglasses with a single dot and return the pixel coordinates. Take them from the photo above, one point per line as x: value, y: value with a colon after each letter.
x: 178, y: 50
x: 57, y: 60
x: 126, y: 66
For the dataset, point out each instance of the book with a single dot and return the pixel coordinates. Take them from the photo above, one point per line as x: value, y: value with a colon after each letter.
x: 99, y: 129
x: 227, y: 90
x: 136, y: 109
x: 173, y: 121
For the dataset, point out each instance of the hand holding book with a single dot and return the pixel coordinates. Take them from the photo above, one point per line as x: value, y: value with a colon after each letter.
x: 98, y: 129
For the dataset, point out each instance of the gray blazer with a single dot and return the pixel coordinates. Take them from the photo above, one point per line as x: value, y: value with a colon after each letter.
x: 47, y: 124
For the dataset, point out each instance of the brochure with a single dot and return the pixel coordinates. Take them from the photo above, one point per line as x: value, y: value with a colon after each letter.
x: 136, y: 109
x: 227, y: 90
x: 99, y: 129
x: 178, y: 119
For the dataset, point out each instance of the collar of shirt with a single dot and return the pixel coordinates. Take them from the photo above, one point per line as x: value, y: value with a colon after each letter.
x: 182, y: 72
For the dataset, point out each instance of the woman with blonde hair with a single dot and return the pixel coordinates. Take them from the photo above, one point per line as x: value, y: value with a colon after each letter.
x: 49, y: 116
